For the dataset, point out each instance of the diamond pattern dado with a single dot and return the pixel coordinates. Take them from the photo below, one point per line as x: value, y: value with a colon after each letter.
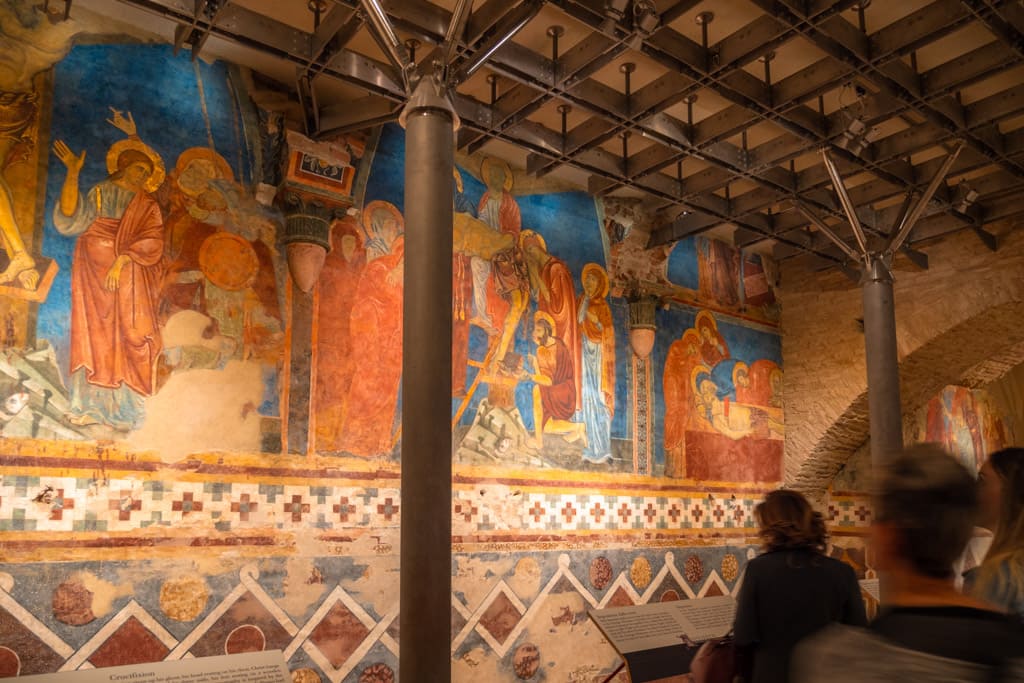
x: 343, y: 634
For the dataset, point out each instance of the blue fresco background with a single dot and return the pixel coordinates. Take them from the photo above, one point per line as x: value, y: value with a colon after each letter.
x: 568, y: 222
x: 683, y: 268
x: 745, y: 343
x: 162, y: 93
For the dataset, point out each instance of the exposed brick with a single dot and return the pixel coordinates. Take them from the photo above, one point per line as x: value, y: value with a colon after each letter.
x: 960, y: 322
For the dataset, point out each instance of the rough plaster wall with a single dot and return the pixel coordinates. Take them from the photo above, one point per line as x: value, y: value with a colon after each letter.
x: 957, y: 323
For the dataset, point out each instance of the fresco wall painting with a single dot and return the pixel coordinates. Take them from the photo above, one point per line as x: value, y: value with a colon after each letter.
x: 966, y: 422
x: 145, y: 496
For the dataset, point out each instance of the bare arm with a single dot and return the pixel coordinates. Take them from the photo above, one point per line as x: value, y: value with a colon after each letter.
x: 69, y: 192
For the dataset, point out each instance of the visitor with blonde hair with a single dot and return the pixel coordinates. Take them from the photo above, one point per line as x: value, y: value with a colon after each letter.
x: 1000, y: 578
x: 927, y: 631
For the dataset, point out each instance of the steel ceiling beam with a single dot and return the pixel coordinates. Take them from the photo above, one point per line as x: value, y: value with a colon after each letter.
x: 256, y: 31
x: 336, y: 30
x: 195, y: 34
x: 842, y: 41
x: 537, y: 81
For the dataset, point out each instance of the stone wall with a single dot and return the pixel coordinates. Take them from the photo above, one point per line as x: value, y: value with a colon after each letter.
x: 957, y: 323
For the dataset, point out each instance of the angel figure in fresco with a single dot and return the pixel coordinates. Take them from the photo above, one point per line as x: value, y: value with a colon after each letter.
x: 33, y: 41
x: 115, y: 279
x: 375, y: 326
x: 594, y: 316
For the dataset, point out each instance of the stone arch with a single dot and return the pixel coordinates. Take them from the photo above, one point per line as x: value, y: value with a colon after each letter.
x: 978, y: 350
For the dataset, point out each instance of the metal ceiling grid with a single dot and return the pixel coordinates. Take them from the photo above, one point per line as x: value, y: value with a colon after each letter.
x: 714, y: 111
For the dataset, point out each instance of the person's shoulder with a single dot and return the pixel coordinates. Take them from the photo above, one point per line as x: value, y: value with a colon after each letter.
x: 762, y: 561
x: 834, y: 652
x: 838, y: 565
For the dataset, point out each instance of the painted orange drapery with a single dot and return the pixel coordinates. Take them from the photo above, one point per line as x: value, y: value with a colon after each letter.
x: 114, y: 334
x: 560, y: 304
x: 376, y: 356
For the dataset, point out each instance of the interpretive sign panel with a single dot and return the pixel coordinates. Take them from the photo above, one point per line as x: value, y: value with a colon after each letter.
x: 659, y: 640
x: 250, y: 667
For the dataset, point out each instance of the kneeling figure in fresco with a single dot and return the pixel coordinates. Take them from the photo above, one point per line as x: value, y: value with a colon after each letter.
x: 554, y: 396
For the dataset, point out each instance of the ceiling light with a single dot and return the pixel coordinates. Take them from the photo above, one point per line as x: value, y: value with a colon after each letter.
x: 856, y: 137
x: 645, y: 17
x: 964, y: 198
x: 614, y: 11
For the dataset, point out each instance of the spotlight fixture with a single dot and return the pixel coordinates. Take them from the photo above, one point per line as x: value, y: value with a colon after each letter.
x: 645, y: 17
x: 964, y: 198
x: 645, y: 21
x: 856, y: 137
x: 614, y: 12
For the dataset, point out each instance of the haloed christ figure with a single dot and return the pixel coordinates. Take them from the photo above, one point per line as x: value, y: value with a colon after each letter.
x: 115, y: 280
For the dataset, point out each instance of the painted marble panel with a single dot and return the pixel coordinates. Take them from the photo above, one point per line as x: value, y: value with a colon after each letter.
x: 515, y: 616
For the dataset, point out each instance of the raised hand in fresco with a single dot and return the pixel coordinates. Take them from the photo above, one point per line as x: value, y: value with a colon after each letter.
x: 74, y: 163
x: 125, y: 125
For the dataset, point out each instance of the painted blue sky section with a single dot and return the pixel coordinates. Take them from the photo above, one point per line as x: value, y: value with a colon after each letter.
x: 682, y: 268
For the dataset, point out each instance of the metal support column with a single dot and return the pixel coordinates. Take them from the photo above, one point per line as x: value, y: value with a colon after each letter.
x: 886, y: 423
x: 884, y: 408
x: 426, y: 558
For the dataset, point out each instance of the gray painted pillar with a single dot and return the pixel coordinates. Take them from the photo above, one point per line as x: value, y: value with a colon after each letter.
x: 426, y: 553
x: 300, y: 372
x: 886, y: 420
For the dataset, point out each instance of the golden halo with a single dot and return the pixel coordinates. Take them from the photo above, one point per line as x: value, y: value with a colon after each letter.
x: 542, y: 315
x: 228, y: 261
x: 698, y: 370
x: 710, y: 318
x: 602, y: 288
x: 528, y: 235
x: 378, y: 204
x: 155, y: 179
x: 485, y: 171
x: 736, y: 371
x: 224, y: 171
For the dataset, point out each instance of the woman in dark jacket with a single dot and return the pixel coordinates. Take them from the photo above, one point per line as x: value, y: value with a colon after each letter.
x: 791, y: 590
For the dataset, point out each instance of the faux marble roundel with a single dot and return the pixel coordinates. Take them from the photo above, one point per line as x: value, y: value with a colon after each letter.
x: 10, y: 663
x: 640, y: 572
x: 184, y: 598
x: 305, y: 676
x: 694, y: 569
x: 600, y: 573
x: 72, y: 603
x: 377, y: 673
x: 526, y: 661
